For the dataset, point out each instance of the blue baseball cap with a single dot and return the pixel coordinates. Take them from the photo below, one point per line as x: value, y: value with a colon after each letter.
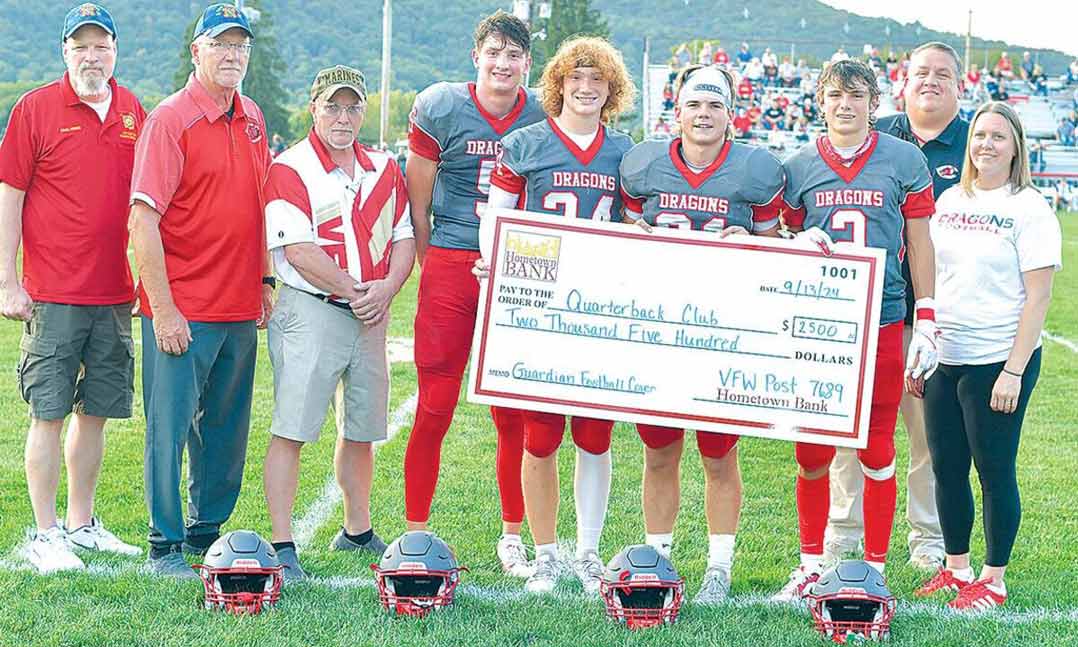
x: 88, y: 13
x: 219, y: 18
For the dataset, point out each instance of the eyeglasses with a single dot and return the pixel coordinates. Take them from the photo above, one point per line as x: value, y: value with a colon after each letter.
x: 239, y: 49
x: 334, y: 110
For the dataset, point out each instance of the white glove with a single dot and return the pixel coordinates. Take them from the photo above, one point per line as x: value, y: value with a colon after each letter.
x: 922, y: 358
x: 818, y: 238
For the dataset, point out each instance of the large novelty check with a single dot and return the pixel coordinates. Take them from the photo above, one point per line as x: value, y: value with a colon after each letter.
x: 742, y: 335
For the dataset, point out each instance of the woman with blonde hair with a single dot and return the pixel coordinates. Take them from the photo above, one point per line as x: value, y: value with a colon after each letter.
x: 998, y: 245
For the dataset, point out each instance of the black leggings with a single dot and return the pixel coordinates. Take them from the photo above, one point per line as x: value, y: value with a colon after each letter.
x: 960, y: 427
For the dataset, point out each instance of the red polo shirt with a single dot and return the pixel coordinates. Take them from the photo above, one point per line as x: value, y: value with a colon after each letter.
x: 203, y: 172
x: 76, y: 172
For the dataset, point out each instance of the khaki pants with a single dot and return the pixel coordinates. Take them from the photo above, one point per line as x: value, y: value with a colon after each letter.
x: 846, y: 525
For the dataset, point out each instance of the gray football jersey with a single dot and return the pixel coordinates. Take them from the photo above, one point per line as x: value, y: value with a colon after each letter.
x: 866, y: 203
x: 738, y: 189
x: 558, y: 177
x: 449, y: 126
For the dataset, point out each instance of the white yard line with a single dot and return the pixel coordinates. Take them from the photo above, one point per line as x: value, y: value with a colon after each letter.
x: 319, y: 512
x: 1062, y: 341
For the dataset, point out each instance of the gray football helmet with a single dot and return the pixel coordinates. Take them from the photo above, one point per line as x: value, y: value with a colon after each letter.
x: 641, y: 588
x: 850, y: 599
x: 240, y: 573
x: 417, y: 574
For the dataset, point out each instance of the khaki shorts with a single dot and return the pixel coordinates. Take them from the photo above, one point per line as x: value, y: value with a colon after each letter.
x: 323, y: 356
x: 78, y: 359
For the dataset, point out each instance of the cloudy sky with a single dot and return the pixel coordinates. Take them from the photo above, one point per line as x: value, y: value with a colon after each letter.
x: 1044, y: 23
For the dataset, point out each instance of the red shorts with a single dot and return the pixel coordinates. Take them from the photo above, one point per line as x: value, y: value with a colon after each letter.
x: 886, y: 395
x: 710, y: 444
x: 543, y: 433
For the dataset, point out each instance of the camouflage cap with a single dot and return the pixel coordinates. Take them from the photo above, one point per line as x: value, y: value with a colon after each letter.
x: 331, y: 79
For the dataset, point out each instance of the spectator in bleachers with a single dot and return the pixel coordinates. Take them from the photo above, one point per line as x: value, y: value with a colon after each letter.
x: 808, y: 108
x: 742, y: 123
x: 745, y: 89
x: 662, y: 127
x: 1038, y: 81
x: 973, y: 79
x: 1036, y: 156
x: 997, y: 89
x: 668, y: 97
x: 683, y: 56
x: 721, y: 57
x: 891, y: 64
x: 774, y: 118
x: 755, y: 114
x: 1027, y: 66
x: 1072, y: 74
x: 800, y: 129
x: 875, y: 61
x: 771, y: 67
x: 705, y: 54
x: 1004, y: 69
x: 840, y: 55
x: 802, y: 72
x: 1063, y: 194
x: 1065, y: 132
x: 744, y: 55
x: 754, y: 71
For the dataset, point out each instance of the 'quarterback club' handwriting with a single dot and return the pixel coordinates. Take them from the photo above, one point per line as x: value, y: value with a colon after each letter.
x: 849, y: 198
x: 683, y: 201
x: 633, y: 309
x: 584, y: 180
x: 582, y: 378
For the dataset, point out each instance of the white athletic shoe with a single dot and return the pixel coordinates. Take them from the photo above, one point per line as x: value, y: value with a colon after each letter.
x: 716, y: 586
x: 589, y: 570
x: 94, y: 536
x: 545, y: 576
x: 48, y: 552
x: 801, y: 579
x: 514, y: 558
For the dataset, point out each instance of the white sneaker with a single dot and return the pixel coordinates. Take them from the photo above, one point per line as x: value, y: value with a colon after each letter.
x: 545, y: 576
x: 514, y: 558
x: 94, y: 536
x: 589, y: 570
x: 48, y: 552
x: 716, y: 586
x: 801, y: 579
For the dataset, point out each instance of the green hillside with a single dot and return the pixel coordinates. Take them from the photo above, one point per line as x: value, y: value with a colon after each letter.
x: 431, y: 39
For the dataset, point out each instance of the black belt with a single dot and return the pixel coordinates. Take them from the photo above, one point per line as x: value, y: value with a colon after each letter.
x: 325, y: 298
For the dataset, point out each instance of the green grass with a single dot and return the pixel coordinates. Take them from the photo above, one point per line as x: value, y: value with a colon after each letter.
x: 128, y: 608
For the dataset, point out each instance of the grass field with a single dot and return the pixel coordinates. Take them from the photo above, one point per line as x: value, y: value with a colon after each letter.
x: 114, y: 603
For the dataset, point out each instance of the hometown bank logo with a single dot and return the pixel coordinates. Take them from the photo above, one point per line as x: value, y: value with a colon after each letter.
x: 531, y: 256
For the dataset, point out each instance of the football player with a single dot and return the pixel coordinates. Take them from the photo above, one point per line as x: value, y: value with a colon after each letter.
x: 455, y: 132
x: 568, y: 165
x: 863, y: 187
x: 703, y: 181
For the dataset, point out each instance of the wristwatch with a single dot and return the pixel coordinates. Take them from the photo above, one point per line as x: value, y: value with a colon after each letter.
x: 270, y: 281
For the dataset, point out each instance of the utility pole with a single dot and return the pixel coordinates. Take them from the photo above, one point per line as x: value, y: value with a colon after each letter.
x: 387, y: 46
x: 969, y: 33
x: 645, y: 87
x: 529, y: 12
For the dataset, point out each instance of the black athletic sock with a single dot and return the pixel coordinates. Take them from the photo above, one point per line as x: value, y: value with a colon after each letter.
x: 361, y: 538
x: 280, y: 545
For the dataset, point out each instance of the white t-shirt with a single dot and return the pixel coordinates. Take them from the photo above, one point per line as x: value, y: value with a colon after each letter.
x: 983, y: 245
x: 101, y: 107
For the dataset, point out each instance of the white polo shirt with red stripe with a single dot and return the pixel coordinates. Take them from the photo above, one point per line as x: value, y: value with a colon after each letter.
x: 355, y: 220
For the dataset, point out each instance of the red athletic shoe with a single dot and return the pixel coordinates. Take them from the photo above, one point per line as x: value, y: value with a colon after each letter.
x: 943, y: 580
x: 977, y: 597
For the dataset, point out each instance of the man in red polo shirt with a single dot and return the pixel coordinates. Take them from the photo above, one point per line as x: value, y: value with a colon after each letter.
x: 199, y: 240
x: 65, y: 171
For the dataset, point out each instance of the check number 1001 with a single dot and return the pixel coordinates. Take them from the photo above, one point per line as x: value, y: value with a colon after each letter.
x: 835, y: 272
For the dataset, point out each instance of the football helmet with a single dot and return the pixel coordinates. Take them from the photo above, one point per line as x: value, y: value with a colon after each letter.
x: 417, y: 574
x: 240, y: 573
x: 849, y: 599
x: 641, y: 588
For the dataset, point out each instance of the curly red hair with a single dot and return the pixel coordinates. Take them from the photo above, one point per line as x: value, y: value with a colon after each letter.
x: 588, y: 51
